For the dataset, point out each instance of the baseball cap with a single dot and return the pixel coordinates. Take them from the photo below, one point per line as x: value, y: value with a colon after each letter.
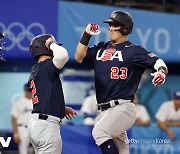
x: 176, y: 95
x: 26, y: 87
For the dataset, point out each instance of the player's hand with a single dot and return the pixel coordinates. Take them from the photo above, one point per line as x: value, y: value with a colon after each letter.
x: 16, y: 138
x: 51, y: 39
x: 92, y: 29
x: 70, y: 113
x: 172, y: 135
x: 159, y: 77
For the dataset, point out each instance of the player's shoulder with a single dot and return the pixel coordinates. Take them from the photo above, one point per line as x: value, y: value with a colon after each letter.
x: 48, y: 65
x: 103, y: 44
x: 90, y: 97
x: 139, y: 49
x: 140, y: 106
x: 18, y: 102
x: 45, y: 62
x: 167, y: 104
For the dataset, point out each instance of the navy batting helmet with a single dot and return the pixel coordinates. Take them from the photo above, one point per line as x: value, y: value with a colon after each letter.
x: 38, y: 48
x: 123, y: 19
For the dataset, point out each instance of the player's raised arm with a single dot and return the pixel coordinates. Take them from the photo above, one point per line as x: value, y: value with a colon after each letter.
x: 160, y: 74
x: 60, y: 53
x: 81, y: 50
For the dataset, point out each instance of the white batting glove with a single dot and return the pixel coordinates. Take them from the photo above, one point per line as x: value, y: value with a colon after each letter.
x: 92, y: 29
x: 159, y: 78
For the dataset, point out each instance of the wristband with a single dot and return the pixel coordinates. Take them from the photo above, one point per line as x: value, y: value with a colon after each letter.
x: 163, y: 69
x: 85, y: 39
x: 50, y: 44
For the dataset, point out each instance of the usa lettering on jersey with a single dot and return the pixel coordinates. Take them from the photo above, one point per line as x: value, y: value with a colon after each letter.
x: 109, y: 54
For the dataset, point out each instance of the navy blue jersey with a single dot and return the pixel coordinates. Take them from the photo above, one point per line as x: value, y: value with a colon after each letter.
x: 118, y: 69
x: 47, y: 93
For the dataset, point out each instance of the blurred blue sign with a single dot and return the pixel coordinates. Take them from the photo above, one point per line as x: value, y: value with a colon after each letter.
x: 22, y: 20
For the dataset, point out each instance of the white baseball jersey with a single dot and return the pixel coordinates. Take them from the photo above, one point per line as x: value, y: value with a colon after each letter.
x: 22, y: 110
x: 142, y: 113
x: 89, y: 105
x: 167, y: 112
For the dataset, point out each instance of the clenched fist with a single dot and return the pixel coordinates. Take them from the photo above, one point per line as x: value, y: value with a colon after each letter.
x: 159, y: 77
x: 92, y: 29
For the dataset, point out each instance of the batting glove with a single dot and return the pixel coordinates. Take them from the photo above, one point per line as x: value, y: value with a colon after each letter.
x: 159, y: 78
x: 92, y: 29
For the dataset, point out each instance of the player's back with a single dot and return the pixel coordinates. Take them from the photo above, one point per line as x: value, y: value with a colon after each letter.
x: 47, y: 89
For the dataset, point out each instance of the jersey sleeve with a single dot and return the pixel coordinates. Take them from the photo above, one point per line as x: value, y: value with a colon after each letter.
x: 162, y: 112
x: 145, y: 115
x: 91, y: 53
x: 89, y: 105
x: 144, y: 59
x: 15, y: 110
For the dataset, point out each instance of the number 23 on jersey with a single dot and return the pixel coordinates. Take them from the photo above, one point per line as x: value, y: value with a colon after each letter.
x: 117, y: 73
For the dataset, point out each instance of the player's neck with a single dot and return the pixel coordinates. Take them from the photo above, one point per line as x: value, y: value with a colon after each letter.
x: 120, y: 40
x: 176, y: 106
x: 43, y: 58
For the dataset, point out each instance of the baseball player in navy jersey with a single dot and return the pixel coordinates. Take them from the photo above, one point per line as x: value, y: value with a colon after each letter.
x: 118, y: 65
x: 47, y: 95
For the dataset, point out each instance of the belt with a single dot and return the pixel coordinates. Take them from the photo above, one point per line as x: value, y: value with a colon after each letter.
x: 21, y: 125
x: 46, y: 117
x: 112, y: 103
x: 43, y: 116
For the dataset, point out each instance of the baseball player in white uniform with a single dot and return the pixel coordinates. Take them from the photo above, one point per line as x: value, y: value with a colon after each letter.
x: 169, y: 115
x: 21, y: 112
x: 89, y: 109
x: 142, y: 116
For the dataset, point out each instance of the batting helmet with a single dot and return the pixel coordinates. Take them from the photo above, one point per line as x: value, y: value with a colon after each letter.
x: 38, y: 48
x: 123, y: 19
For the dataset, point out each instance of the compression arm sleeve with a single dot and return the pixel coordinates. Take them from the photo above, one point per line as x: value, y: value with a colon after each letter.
x: 60, y: 55
x: 160, y: 65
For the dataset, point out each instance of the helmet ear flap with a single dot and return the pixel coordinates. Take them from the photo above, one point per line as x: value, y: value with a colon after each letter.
x: 124, y: 31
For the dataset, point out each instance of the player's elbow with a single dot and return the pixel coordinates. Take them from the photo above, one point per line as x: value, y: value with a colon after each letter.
x: 147, y: 123
x: 78, y: 59
x: 160, y: 123
x: 65, y: 58
x: 61, y: 60
x: 62, y: 56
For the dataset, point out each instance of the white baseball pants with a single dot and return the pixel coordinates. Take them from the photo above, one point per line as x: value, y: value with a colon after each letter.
x: 113, y: 123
